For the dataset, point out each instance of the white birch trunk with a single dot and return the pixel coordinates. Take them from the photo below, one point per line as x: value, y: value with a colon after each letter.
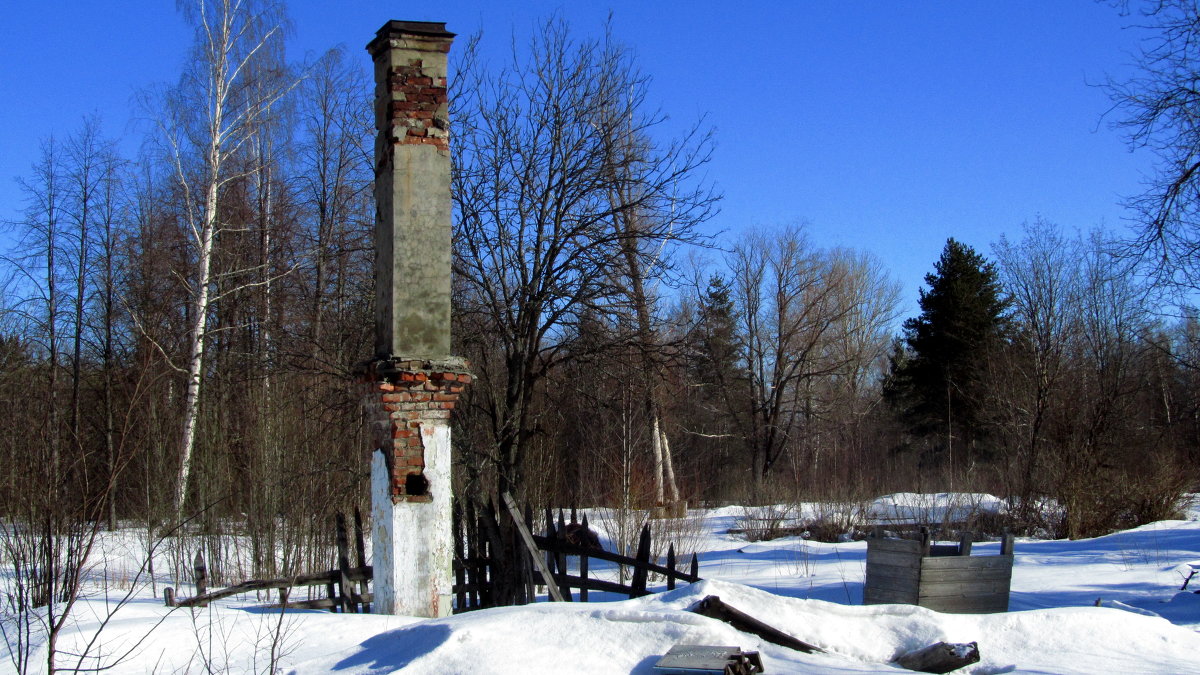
x: 228, y: 49
x: 668, y: 466
x: 216, y: 100
x: 191, y: 401
x: 656, y: 439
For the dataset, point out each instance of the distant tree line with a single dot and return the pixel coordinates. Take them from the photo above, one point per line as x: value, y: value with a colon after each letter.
x: 179, y: 327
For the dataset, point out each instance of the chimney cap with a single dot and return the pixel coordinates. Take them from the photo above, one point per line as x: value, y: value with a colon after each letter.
x: 393, y: 29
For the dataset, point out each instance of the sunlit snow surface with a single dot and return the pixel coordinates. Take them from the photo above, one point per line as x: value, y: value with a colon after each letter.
x: 808, y: 589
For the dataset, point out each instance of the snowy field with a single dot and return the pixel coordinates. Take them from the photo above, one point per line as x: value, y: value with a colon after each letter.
x: 811, y: 590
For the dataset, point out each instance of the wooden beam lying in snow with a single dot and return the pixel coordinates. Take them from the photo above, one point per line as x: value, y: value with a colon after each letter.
x: 713, y: 608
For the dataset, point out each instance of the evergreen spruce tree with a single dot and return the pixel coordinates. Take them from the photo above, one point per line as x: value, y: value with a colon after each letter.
x: 719, y: 395
x: 937, y: 380
x: 718, y: 357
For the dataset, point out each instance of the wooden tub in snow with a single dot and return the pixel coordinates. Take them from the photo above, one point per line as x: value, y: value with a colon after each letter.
x: 945, y: 578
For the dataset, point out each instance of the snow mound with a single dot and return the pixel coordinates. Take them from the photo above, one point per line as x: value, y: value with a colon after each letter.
x: 932, y: 507
x: 630, y: 636
x: 808, y: 589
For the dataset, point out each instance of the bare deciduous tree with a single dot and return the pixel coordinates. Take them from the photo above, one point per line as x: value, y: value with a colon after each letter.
x: 1158, y: 108
x: 538, y: 185
x: 1043, y: 279
x: 791, y: 302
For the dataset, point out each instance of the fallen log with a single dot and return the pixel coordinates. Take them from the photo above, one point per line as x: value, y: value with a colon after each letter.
x: 713, y: 608
x: 942, y: 657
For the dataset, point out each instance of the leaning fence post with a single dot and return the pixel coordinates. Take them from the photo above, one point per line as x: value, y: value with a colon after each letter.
x: 695, y: 568
x: 201, y: 571
x: 527, y: 538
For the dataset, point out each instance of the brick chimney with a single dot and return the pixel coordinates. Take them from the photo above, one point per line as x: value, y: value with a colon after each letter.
x: 412, y: 383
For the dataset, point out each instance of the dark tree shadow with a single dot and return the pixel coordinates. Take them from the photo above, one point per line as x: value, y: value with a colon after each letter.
x: 396, y: 649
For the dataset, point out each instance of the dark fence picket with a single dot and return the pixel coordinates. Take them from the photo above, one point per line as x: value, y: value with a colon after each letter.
x: 583, y: 561
x: 474, y: 560
x: 641, y: 567
x: 499, y: 557
x: 360, y: 549
x: 551, y: 534
x: 560, y: 561
x: 527, y: 562
x: 460, y: 569
x: 671, y: 566
x: 485, y: 570
x: 583, y: 576
x: 347, y: 596
x: 201, y: 571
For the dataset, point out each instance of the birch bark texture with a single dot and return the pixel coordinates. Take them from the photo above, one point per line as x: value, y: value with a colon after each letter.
x: 211, y: 118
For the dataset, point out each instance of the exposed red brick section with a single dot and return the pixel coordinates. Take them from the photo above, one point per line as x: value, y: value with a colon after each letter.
x: 402, y: 400
x: 418, y: 112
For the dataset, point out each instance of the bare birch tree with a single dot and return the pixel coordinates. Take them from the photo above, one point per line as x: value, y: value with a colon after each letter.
x: 211, y: 118
x: 644, y: 262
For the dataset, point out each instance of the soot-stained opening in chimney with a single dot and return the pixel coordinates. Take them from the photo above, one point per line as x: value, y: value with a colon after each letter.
x: 416, y: 485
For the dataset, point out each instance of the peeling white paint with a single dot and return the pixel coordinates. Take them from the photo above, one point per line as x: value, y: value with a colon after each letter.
x: 413, y: 546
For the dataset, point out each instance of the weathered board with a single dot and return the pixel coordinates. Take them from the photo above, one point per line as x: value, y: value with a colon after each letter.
x: 897, y: 545
x: 968, y: 562
x: 886, y: 596
x: 895, y: 559
x: 901, y: 571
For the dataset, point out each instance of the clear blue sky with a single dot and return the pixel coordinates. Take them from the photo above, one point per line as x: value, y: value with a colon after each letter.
x: 886, y: 126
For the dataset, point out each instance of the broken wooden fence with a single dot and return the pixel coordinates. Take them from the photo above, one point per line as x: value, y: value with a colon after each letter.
x: 346, y: 587
x: 493, y: 567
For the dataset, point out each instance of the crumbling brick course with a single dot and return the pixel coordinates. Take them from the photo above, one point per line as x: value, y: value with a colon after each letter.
x: 401, y: 398
x: 418, y: 109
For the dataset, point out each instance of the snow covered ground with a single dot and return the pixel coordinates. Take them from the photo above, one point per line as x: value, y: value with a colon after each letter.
x: 811, y: 590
